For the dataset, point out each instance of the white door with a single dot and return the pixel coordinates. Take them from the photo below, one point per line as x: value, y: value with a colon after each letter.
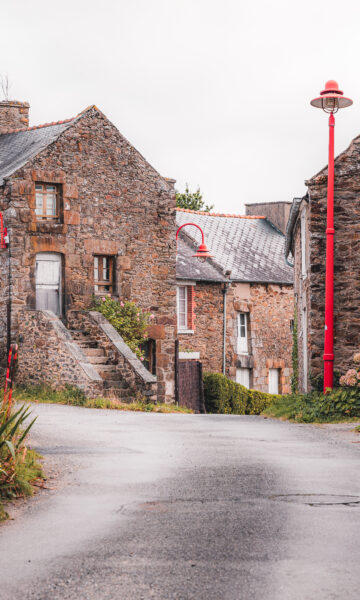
x: 273, y: 381
x: 243, y: 377
x: 48, y: 280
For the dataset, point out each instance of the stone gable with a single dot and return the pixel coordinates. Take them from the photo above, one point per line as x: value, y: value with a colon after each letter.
x: 112, y: 202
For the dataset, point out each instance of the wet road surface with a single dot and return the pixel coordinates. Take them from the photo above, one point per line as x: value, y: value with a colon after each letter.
x: 184, y: 507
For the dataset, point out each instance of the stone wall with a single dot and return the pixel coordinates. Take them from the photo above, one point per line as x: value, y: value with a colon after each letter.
x: 270, y: 309
x: 48, y: 355
x: 113, y: 203
x: 13, y: 115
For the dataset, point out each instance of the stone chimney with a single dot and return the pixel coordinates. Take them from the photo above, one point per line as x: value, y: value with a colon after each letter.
x: 13, y: 115
x: 276, y: 212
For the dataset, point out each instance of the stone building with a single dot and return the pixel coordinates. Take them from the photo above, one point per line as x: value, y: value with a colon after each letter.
x: 306, y: 247
x: 87, y: 214
x: 235, y: 311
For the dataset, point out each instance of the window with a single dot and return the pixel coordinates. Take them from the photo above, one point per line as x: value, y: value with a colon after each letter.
x: 186, y: 308
x: 242, y: 334
x: 243, y: 377
x: 182, y: 307
x: 274, y: 375
x: 103, y: 274
x: 47, y: 202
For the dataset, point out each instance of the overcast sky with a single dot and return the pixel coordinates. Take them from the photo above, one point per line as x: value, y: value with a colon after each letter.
x: 213, y: 93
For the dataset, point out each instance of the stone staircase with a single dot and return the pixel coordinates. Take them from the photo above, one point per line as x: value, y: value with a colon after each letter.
x: 114, y: 385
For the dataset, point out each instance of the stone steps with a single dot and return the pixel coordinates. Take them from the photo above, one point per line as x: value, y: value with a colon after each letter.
x: 94, y: 351
x: 98, y: 360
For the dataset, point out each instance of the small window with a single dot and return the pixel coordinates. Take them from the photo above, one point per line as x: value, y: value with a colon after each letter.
x: 292, y: 325
x: 47, y: 202
x: 242, y: 334
x: 243, y: 377
x: 182, y: 307
x: 274, y: 376
x: 103, y: 274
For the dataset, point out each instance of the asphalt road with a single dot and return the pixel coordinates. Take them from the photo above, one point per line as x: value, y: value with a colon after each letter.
x: 185, y: 507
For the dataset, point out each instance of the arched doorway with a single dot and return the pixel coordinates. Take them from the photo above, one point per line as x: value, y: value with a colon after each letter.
x: 48, y: 282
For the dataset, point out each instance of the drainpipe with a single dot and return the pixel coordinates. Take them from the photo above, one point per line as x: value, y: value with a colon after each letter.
x: 224, y: 291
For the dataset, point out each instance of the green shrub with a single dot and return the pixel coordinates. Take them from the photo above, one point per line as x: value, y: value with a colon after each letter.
x: 258, y: 401
x: 222, y: 395
x: 216, y: 393
x: 338, y: 405
x: 128, y: 319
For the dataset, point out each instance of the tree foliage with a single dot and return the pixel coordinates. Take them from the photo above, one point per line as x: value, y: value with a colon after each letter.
x: 192, y: 200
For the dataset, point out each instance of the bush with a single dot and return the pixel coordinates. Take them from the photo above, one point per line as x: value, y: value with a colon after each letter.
x: 338, y: 405
x: 258, y: 401
x: 216, y: 393
x: 222, y: 395
x: 18, y: 465
x: 128, y: 320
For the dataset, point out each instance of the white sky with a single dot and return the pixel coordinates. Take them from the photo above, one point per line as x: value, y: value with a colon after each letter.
x: 214, y: 93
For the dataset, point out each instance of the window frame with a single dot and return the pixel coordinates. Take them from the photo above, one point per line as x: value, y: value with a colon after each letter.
x: 242, y: 347
x: 98, y: 267
x: 44, y: 217
x: 185, y: 288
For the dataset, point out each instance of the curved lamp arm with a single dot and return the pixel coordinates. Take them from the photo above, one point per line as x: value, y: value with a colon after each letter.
x: 194, y: 224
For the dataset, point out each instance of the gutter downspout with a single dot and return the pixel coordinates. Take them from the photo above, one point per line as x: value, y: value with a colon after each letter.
x: 224, y: 291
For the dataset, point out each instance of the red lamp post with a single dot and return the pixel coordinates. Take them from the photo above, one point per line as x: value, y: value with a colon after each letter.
x: 330, y: 100
x: 202, y: 252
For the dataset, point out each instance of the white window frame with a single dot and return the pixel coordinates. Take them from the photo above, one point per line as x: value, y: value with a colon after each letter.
x: 181, y: 327
x: 243, y: 377
x: 274, y: 381
x: 242, y: 341
x: 303, y: 244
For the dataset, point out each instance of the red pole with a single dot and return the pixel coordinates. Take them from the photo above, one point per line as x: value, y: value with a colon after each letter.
x: 329, y: 280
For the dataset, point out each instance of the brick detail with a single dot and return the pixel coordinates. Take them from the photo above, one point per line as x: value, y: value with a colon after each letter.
x: 191, y: 306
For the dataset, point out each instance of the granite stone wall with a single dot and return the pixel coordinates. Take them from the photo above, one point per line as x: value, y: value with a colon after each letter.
x: 48, y: 355
x: 112, y: 203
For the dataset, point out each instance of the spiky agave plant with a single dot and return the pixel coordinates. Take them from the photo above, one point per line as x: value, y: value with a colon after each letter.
x: 13, y: 454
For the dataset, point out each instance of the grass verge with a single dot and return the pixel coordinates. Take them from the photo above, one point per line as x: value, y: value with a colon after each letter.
x: 314, y: 408
x: 75, y: 397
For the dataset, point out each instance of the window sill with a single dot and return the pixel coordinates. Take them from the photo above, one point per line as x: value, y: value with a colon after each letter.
x: 181, y: 331
x: 50, y: 227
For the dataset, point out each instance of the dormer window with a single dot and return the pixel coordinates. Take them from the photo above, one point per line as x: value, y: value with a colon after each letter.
x: 47, y: 202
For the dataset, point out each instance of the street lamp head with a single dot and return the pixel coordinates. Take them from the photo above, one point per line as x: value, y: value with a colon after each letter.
x: 202, y: 253
x: 331, y: 98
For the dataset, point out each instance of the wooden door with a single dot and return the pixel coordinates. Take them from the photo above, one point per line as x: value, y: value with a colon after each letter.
x: 48, y: 282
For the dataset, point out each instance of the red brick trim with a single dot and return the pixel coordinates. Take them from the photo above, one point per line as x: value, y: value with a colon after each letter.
x: 191, y: 307
x: 200, y: 212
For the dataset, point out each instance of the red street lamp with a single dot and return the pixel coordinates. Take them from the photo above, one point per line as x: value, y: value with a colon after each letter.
x: 330, y: 100
x: 4, y: 239
x: 202, y: 252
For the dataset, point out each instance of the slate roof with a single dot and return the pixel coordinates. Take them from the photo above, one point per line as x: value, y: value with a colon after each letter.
x: 188, y: 267
x: 19, y: 146
x: 250, y: 247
